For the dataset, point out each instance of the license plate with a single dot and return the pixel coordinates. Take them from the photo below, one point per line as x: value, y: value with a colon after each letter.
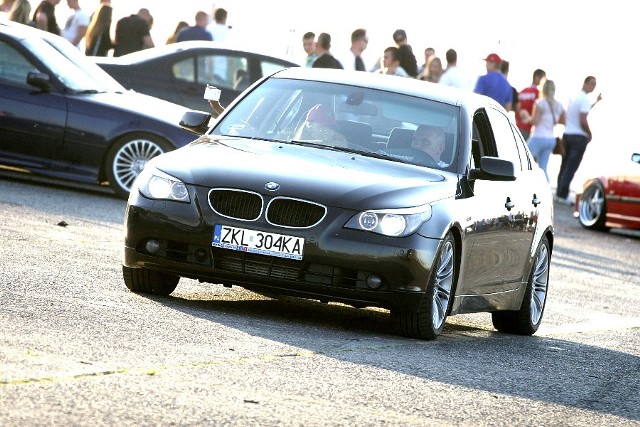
x: 257, y: 242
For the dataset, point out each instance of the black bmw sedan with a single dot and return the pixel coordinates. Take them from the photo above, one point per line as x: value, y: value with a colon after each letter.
x: 179, y: 72
x: 64, y: 118
x: 364, y: 189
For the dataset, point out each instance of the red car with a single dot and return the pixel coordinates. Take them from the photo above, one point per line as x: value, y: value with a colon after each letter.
x: 610, y: 201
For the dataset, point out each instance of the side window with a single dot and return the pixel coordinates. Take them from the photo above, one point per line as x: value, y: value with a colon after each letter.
x: 523, y: 149
x: 13, y: 66
x: 185, y: 70
x: 481, y: 138
x: 476, y: 147
x: 226, y: 72
x: 267, y: 68
x: 504, y: 137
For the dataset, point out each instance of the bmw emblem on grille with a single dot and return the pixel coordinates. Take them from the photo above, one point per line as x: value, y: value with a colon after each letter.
x: 272, y: 186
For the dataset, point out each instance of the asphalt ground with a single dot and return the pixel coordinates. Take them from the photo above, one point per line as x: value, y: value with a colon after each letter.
x: 78, y: 349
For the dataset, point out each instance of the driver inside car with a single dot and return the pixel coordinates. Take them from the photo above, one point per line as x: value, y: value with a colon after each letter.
x: 431, y: 141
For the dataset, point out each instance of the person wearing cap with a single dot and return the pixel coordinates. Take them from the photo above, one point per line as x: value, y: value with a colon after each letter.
x: 320, y: 125
x: 407, y: 59
x: 494, y: 84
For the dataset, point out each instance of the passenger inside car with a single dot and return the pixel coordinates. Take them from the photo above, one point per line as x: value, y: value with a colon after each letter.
x: 320, y: 125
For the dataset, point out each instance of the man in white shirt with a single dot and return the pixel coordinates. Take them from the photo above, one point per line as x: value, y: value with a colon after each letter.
x: 577, y: 134
x: 219, y: 31
x: 76, y: 26
x: 219, y: 28
x: 452, y: 75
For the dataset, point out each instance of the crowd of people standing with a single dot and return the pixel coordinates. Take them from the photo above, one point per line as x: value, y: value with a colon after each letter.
x: 535, y: 109
x: 131, y: 33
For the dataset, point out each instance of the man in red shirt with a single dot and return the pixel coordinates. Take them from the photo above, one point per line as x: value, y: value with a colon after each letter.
x: 527, y: 99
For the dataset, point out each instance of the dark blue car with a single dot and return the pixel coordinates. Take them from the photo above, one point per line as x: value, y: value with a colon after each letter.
x: 63, y: 117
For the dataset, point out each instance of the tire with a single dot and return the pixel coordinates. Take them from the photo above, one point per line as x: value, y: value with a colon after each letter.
x: 592, y: 209
x: 527, y: 320
x: 428, y: 321
x: 128, y: 156
x: 149, y: 281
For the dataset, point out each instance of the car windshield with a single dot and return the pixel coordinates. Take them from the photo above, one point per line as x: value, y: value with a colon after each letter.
x: 348, y: 118
x: 77, y: 73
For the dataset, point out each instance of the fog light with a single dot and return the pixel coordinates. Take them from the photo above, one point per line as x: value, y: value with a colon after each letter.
x: 373, y: 281
x: 152, y: 246
x: 201, y: 255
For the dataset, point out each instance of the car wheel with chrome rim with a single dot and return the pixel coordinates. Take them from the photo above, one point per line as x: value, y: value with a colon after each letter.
x: 592, y: 209
x: 527, y: 320
x: 128, y: 156
x: 428, y: 321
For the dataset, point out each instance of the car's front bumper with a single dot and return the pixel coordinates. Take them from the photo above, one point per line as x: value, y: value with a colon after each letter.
x: 339, y: 264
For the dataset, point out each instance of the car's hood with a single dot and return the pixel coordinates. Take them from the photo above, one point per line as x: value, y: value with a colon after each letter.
x: 330, y: 177
x: 140, y: 104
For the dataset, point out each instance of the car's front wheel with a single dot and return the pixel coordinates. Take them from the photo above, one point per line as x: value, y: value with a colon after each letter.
x: 592, y: 209
x: 128, y: 156
x: 526, y: 321
x: 428, y: 321
x: 149, y: 281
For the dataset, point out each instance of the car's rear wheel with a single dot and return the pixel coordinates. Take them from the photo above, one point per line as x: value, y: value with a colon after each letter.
x: 428, y: 321
x: 592, y: 209
x: 149, y: 281
x: 128, y: 156
x: 527, y: 320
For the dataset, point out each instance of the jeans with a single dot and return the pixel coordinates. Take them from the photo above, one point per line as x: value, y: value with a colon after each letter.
x: 541, y: 149
x: 575, y: 146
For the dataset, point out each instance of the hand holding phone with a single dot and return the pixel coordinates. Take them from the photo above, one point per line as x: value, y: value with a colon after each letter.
x: 212, y: 93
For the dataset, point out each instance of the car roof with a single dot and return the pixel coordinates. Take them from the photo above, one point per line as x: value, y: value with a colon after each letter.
x: 168, y: 49
x: 21, y: 32
x: 408, y: 86
x: 15, y: 29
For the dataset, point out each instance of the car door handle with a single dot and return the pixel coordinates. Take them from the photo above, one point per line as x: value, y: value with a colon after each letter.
x: 535, y: 201
x: 509, y: 204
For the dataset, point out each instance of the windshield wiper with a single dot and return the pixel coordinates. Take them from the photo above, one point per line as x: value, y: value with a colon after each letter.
x: 367, y: 153
x: 88, y: 91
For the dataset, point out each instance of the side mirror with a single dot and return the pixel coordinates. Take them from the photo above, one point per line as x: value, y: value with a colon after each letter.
x: 635, y: 157
x: 494, y: 169
x: 196, y: 122
x: 39, y: 80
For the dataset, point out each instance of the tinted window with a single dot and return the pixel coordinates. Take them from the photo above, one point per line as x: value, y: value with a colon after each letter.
x: 523, y: 150
x: 267, y: 68
x: 505, y: 140
x: 341, y: 116
x: 185, y: 70
x: 223, y: 71
x: 13, y: 66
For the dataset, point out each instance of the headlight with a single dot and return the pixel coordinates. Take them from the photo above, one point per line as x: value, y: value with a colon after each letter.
x: 391, y: 222
x: 156, y: 184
